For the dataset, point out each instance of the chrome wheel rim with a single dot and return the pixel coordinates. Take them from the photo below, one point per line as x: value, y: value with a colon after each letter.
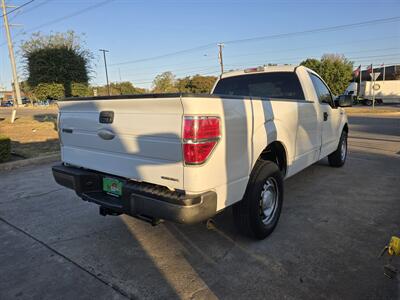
x: 343, y: 150
x: 268, y: 200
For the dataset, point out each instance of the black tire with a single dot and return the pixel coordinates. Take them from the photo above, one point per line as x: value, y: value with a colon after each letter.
x: 249, y: 212
x: 338, y: 158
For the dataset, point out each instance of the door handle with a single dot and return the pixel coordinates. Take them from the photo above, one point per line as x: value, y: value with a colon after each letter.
x: 106, y: 134
x: 325, y: 116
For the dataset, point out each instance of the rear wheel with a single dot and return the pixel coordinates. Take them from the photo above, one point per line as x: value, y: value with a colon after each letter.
x: 338, y: 158
x: 257, y: 214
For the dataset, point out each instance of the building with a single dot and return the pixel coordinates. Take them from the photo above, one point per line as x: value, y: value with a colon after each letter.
x: 5, y: 95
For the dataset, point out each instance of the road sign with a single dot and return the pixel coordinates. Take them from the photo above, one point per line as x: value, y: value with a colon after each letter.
x: 374, y: 76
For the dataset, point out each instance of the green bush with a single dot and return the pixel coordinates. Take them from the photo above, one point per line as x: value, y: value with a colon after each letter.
x: 45, y: 91
x: 5, y: 148
x: 80, y: 90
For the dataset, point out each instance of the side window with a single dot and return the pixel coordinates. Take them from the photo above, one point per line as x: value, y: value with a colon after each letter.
x: 324, y: 95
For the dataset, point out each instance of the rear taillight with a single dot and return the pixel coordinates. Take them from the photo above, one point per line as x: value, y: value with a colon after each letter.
x: 200, y: 136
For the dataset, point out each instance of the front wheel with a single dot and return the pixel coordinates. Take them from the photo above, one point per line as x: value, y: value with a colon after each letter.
x: 257, y: 214
x: 338, y: 158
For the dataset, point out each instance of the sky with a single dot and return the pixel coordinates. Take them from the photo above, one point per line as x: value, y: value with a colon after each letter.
x: 140, y: 34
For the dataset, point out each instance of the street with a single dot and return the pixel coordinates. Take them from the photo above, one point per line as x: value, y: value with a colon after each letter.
x: 334, y: 224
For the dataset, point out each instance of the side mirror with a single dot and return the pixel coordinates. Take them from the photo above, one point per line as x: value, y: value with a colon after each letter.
x: 344, y: 101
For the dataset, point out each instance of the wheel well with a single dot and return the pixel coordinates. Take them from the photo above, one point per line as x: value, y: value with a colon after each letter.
x: 276, y: 152
x: 346, y: 128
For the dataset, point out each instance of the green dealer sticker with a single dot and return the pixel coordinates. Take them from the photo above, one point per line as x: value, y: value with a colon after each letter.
x: 112, y: 186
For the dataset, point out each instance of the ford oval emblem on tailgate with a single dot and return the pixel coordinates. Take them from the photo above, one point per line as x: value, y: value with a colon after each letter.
x: 106, y: 117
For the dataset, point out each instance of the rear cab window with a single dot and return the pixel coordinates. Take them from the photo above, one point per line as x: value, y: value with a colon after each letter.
x: 284, y: 85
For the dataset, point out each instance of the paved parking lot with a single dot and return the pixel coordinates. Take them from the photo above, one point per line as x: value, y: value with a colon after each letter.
x: 333, y: 225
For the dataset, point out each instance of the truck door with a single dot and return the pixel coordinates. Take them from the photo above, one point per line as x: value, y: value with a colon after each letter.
x: 329, y: 117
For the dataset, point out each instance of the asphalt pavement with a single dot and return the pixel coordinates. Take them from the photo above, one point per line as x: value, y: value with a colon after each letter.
x: 333, y: 225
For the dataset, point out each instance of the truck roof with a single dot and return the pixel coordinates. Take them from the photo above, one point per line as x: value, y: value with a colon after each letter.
x: 261, y: 69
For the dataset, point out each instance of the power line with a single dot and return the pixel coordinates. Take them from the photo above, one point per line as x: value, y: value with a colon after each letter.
x: 250, y: 54
x: 264, y: 52
x: 317, y: 30
x: 169, y: 65
x: 283, y: 60
x: 71, y: 15
x: 74, y: 14
x: 191, y: 69
x: 20, y: 13
x: 313, y: 47
x: 275, y: 36
x: 17, y: 8
x: 166, y: 55
x: 287, y: 60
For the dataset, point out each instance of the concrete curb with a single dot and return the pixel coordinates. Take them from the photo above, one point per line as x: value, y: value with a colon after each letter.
x: 366, y: 111
x: 29, y: 161
x: 380, y: 115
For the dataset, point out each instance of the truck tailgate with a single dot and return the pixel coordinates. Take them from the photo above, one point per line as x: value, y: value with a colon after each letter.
x: 142, y: 140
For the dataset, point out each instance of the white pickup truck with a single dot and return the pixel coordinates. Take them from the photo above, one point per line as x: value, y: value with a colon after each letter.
x: 186, y: 157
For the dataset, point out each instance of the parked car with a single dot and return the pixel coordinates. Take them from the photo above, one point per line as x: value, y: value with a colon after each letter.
x: 7, y: 103
x: 25, y: 100
x: 43, y: 102
x: 187, y: 157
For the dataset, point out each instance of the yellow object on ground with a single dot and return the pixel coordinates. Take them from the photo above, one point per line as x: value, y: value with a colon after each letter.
x: 394, y: 246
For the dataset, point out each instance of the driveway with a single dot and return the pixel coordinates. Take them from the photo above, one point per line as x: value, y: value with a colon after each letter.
x: 333, y: 225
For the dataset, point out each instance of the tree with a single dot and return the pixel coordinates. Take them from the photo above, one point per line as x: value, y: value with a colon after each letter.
x: 80, y: 90
x: 313, y: 64
x: 118, y: 88
x: 127, y: 88
x: 183, y: 84
x: 196, y: 84
x: 27, y: 90
x: 335, y: 69
x: 164, y: 83
x: 58, y: 58
x: 45, y: 91
x: 202, y: 84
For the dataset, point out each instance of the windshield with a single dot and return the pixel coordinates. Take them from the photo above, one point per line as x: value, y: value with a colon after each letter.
x: 270, y: 85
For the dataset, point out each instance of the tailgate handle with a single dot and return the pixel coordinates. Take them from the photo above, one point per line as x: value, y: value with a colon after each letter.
x: 106, y: 134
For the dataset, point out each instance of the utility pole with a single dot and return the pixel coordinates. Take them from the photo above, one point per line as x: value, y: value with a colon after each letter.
x: 105, y: 66
x: 12, y: 60
x: 221, y: 62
